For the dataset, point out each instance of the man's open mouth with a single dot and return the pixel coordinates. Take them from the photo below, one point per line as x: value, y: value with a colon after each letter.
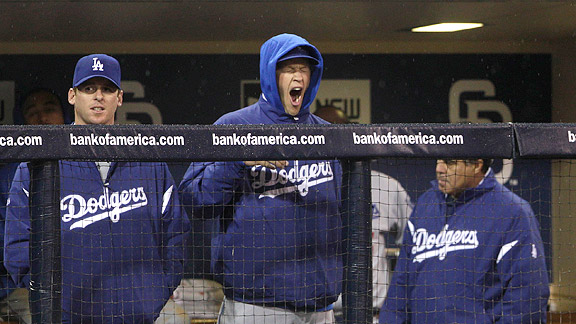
x: 296, y: 95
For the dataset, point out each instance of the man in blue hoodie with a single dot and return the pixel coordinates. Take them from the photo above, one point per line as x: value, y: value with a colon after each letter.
x: 123, y: 230
x: 472, y: 253
x: 277, y: 251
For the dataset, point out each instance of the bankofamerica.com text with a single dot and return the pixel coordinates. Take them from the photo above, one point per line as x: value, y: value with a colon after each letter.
x: 125, y: 140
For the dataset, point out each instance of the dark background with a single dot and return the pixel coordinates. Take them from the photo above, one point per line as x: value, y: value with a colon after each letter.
x: 405, y: 88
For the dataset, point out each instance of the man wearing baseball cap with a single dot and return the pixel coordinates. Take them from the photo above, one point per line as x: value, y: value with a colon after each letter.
x: 277, y: 252
x: 96, y: 91
x: 123, y: 229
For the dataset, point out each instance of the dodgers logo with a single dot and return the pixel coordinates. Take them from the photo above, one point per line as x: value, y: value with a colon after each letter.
x: 106, y: 206
x: 302, y: 177
x: 97, y: 66
x: 428, y: 245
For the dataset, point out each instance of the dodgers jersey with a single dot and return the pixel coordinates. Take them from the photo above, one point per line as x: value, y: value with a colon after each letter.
x: 475, y: 259
x: 122, y: 240
x: 7, y: 171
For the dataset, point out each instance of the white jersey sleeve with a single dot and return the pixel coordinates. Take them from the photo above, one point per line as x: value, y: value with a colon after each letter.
x: 391, y: 207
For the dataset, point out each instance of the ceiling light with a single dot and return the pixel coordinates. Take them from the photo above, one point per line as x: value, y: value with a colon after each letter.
x: 446, y: 27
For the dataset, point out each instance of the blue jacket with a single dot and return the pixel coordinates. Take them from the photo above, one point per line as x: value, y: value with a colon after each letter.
x: 122, y: 240
x: 476, y: 259
x: 6, y: 175
x: 279, y: 238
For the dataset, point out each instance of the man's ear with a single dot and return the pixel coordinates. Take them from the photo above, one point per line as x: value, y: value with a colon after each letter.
x: 479, y: 166
x: 71, y: 96
x: 120, y: 97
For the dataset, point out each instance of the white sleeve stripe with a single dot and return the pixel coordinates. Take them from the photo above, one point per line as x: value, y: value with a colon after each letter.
x: 411, y: 227
x: 505, y: 248
x: 26, y: 192
x: 166, y: 198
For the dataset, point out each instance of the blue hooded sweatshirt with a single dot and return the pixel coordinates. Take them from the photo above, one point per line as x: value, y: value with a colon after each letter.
x: 278, y: 243
x: 475, y: 259
x: 6, y: 175
x: 122, y: 240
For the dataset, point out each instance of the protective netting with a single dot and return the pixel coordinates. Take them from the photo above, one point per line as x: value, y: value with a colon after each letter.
x: 170, y: 242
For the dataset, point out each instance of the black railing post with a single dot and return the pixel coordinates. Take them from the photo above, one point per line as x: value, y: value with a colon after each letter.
x: 357, y: 223
x: 45, y: 248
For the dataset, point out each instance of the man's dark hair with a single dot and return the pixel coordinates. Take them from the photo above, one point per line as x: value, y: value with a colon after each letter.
x: 53, y: 93
x: 332, y: 114
x: 40, y: 90
x: 486, y: 163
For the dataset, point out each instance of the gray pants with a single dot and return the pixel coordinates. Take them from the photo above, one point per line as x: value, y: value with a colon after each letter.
x: 172, y: 313
x: 16, y: 305
x: 233, y: 312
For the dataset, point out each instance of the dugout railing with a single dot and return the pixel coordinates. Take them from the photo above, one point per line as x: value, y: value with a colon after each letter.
x: 355, y: 145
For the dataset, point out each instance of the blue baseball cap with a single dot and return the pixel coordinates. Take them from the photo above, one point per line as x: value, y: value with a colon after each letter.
x: 97, y: 65
x: 299, y: 52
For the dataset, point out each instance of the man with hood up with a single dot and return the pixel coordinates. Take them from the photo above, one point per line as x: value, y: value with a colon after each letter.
x: 277, y: 250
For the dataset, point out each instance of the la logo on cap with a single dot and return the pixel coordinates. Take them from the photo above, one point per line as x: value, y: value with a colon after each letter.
x: 98, y: 66
x: 91, y: 66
